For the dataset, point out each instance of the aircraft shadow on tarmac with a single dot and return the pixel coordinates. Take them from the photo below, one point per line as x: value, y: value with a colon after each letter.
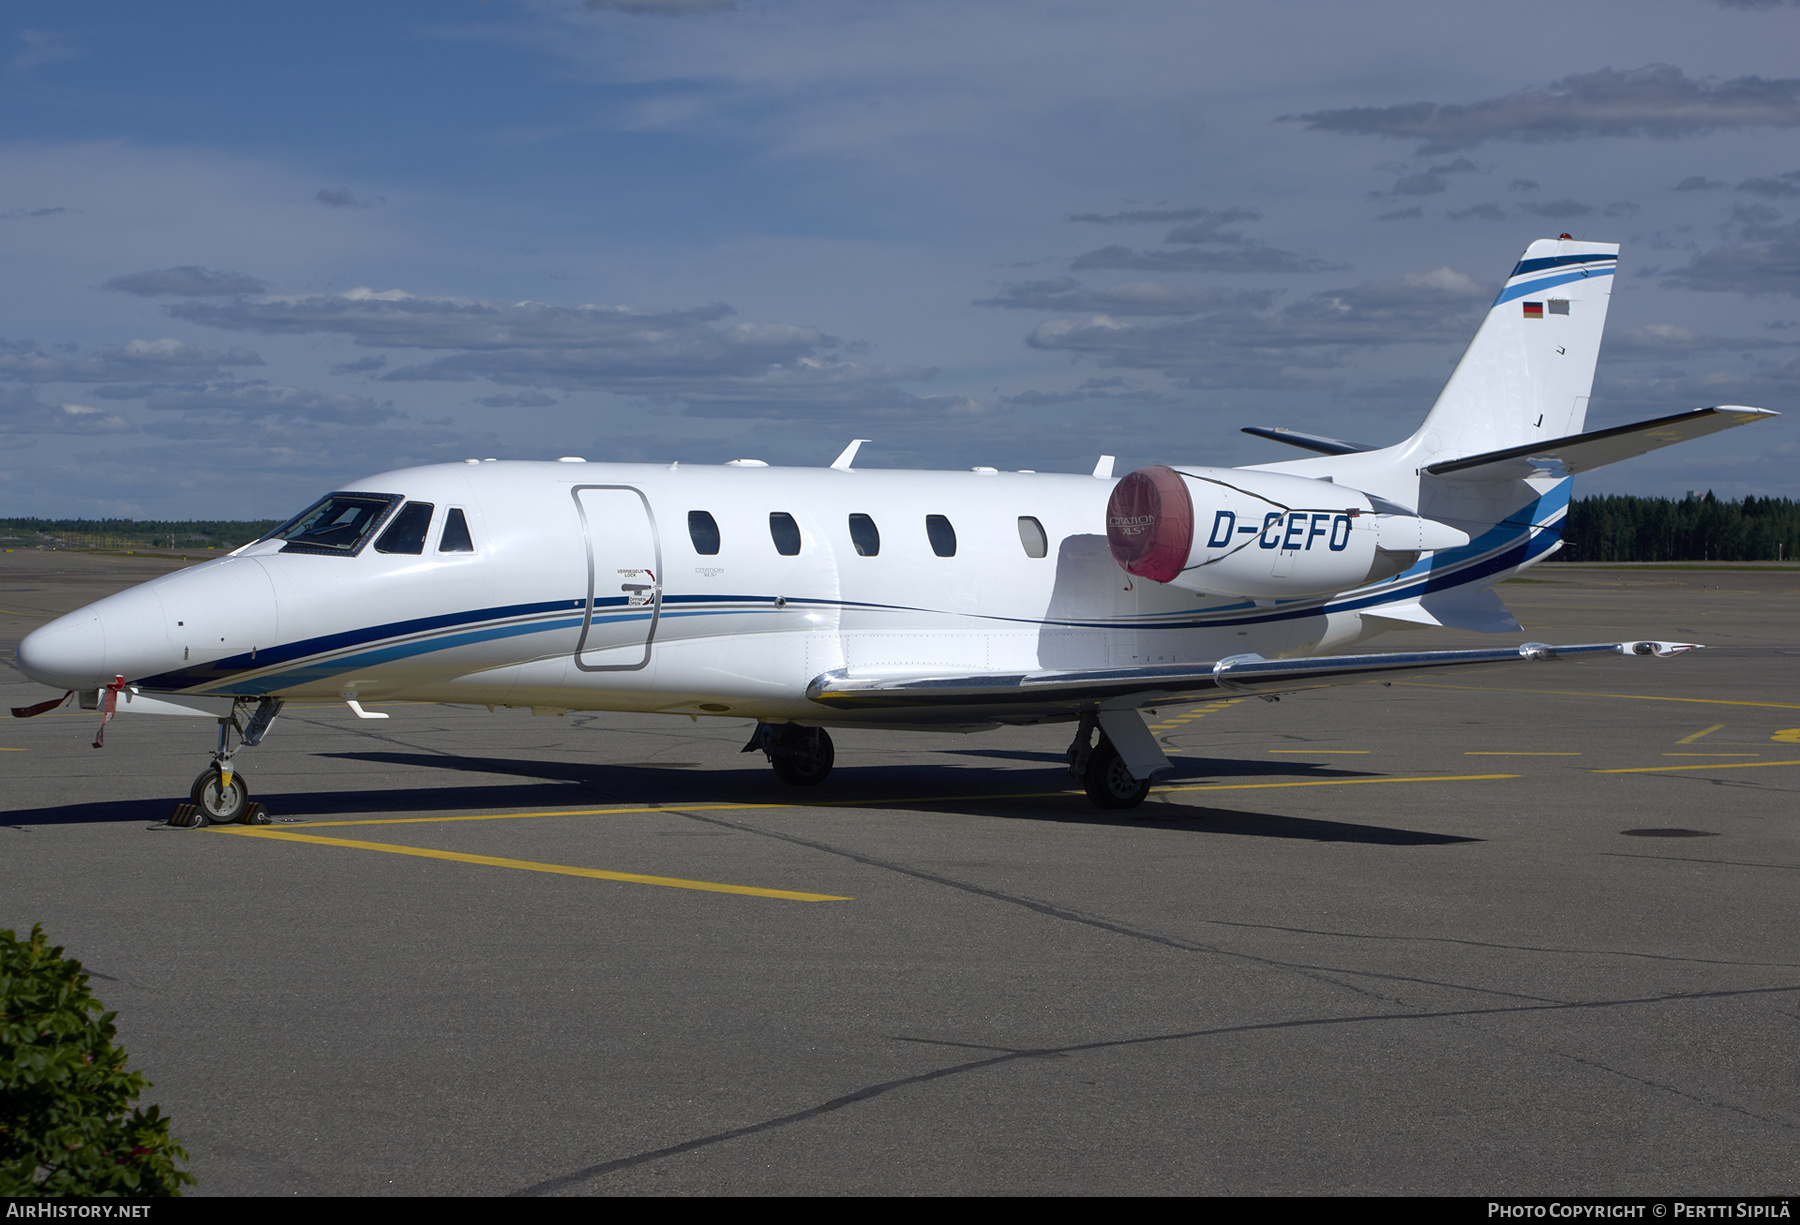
x: 669, y: 783
x: 1186, y: 766
x: 915, y: 787
x: 1293, y: 829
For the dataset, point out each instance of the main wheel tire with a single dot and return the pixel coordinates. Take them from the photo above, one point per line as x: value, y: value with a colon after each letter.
x: 809, y: 760
x: 1108, y: 783
x: 220, y: 805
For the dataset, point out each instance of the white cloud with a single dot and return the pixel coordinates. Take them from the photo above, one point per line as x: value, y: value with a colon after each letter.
x: 660, y: 8
x: 41, y: 47
x: 1655, y: 100
x: 1132, y: 298
x: 187, y: 281
x: 1293, y: 347
x: 1763, y: 257
x: 662, y: 354
x: 343, y: 197
x: 150, y: 361
x: 21, y: 412
x: 260, y: 399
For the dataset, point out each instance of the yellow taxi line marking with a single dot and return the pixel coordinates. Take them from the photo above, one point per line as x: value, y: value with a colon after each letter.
x: 1339, y: 782
x: 1712, y: 754
x: 1515, y: 753
x: 1697, y: 735
x: 677, y: 809
x: 1723, y: 765
x: 1571, y: 693
x: 575, y: 812
x: 1320, y: 752
x: 561, y: 869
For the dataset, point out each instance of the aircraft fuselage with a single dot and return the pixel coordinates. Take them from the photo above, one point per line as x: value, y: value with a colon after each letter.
x: 587, y: 588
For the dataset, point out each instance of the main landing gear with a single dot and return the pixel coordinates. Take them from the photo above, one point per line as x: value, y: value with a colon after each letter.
x: 1100, y: 771
x: 802, y: 756
x: 220, y: 793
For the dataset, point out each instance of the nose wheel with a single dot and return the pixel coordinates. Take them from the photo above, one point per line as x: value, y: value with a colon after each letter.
x: 222, y: 803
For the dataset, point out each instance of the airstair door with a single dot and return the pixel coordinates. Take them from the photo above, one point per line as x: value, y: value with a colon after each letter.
x: 624, y: 578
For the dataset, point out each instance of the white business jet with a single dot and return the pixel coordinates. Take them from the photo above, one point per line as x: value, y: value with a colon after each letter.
x: 845, y: 597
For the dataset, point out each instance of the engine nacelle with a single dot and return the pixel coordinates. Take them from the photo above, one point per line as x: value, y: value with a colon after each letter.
x: 1226, y: 531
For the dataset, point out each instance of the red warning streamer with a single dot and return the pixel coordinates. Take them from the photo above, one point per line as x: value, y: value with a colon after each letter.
x: 41, y: 708
x: 108, y: 708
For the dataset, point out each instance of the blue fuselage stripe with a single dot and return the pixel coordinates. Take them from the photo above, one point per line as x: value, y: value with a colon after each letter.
x: 1524, y: 536
x: 1548, y: 282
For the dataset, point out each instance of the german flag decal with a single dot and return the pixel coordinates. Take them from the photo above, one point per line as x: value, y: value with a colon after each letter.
x: 1534, y: 310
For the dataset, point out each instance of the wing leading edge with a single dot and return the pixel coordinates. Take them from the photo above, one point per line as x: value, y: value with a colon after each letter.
x: 1052, y: 692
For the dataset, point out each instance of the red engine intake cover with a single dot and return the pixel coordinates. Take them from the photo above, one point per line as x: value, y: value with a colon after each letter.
x: 1150, y: 523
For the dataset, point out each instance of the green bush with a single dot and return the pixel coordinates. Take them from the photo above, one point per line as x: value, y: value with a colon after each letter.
x: 65, y: 1128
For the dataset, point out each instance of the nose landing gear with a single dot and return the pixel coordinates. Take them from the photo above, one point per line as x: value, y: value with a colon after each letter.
x: 220, y: 793
x: 802, y: 756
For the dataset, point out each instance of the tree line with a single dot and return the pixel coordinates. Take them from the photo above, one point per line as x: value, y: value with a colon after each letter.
x: 1615, y: 527
x: 133, y: 533
x: 1619, y: 527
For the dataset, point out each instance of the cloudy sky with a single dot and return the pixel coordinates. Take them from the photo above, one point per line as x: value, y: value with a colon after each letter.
x: 249, y: 253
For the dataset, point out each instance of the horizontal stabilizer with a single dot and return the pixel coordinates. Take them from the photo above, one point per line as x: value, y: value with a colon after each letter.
x: 1306, y: 442
x: 1557, y: 457
x: 1069, y: 692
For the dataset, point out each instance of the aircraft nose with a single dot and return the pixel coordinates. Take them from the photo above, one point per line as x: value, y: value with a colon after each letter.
x: 121, y: 635
x: 69, y: 653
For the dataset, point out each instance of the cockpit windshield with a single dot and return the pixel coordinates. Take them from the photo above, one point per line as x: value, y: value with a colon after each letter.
x: 338, y: 524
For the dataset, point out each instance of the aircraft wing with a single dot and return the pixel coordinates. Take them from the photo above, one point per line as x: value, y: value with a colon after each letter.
x: 1306, y: 442
x: 1126, y: 688
x: 1582, y: 452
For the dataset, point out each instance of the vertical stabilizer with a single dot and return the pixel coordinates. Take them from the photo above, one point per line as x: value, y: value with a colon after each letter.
x: 1528, y: 373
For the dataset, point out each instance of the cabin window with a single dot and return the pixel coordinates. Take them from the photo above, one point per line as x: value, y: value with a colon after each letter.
x: 1031, y: 536
x: 703, y: 530
x: 941, y: 535
x: 406, y: 534
x: 456, y: 537
x: 784, y: 532
x: 865, y: 536
x: 339, y: 524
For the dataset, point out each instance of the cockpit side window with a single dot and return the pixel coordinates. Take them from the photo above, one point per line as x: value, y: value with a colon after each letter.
x: 456, y: 537
x: 407, y: 532
x: 338, y: 524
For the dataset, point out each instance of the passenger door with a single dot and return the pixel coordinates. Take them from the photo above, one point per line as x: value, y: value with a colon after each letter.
x: 624, y: 578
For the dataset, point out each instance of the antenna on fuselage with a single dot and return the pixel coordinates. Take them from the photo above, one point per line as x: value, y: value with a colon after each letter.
x: 842, y: 462
x: 1103, y: 469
